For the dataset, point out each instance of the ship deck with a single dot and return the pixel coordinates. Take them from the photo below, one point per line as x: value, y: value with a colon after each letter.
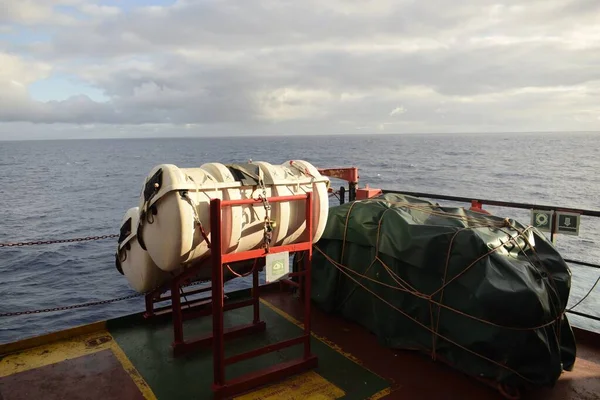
x: 131, y: 358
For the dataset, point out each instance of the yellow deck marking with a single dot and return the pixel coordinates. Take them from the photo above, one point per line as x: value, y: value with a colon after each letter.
x: 380, y: 394
x: 52, y: 353
x: 132, y: 371
x: 51, y: 337
x: 68, y: 349
x: 309, y: 385
x: 329, y: 343
x: 320, y: 338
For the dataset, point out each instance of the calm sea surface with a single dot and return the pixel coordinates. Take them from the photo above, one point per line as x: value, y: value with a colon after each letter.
x: 63, y: 189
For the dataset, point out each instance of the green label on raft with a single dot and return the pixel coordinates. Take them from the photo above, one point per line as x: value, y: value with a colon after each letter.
x: 277, y: 266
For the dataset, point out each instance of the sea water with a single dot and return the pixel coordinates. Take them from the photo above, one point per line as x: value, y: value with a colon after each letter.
x: 63, y: 189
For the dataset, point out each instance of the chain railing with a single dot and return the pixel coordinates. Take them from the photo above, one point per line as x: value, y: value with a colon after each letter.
x: 89, y: 304
x: 426, y: 195
x: 70, y: 307
x: 42, y: 242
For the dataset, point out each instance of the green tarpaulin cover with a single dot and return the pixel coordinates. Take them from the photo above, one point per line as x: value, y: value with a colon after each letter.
x: 485, y: 294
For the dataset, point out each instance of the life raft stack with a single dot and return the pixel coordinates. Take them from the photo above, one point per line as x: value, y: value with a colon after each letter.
x: 215, y: 223
x: 170, y: 229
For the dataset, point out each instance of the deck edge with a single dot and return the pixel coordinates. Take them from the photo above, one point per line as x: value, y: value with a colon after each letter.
x: 52, y: 337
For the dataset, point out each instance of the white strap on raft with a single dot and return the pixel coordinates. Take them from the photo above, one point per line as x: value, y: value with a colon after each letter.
x: 192, y: 203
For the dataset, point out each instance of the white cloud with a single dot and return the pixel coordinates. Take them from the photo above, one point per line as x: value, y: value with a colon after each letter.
x: 15, y: 75
x: 100, y: 11
x: 397, y: 110
x: 329, y: 67
x: 20, y: 70
x: 31, y: 12
x: 284, y: 104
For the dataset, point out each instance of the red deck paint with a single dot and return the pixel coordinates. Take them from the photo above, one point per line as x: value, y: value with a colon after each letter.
x: 94, y: 376
x: 415, y: 375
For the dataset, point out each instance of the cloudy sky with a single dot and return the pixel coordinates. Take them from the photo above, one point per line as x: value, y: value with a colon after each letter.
x: 122, y: 68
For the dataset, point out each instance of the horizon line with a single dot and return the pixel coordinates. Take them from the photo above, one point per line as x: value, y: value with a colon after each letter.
x: 209, y: 136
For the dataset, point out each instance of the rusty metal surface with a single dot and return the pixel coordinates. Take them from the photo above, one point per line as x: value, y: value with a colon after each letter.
x: 94, y: 376
x: 347, y: 174
x: 588, y: 345
x: 367, y: 193
x: 414, y: 375
x: 581, y: 383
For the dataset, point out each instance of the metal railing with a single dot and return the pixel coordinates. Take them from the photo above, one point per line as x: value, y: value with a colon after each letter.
x: 341, y: 194
x: 508, y: 204
x: 516, y: 205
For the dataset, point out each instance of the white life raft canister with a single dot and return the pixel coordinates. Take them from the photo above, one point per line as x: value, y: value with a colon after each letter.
x: 133, y: 261
x: 175, y: 208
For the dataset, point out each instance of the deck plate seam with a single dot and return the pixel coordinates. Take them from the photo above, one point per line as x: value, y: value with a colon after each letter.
x: 334, y: 347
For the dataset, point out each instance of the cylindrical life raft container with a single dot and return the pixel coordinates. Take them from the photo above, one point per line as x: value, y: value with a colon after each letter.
x: 133, y: 261
x: 175, y: 208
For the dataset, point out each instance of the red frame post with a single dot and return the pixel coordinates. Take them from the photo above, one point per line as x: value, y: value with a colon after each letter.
x: 256, y: 293
x: 477, y: 206
x: 348, y: 174
x: 307, y: 276
x: 177, y: 314
x: 149, y: 300
x: 217, y: 293
x: 216, y: 339
x: 221, y: 386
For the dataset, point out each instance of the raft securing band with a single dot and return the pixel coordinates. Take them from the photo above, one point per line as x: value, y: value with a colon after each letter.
x: 125, y: 231
x: 152, y: 185
x: 247, y: 174
x: 118, y: 264
x: 138, y: 233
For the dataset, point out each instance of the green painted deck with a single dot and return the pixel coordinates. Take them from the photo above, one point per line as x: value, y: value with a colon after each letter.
x: 147, y: 345
x: 131, y: 358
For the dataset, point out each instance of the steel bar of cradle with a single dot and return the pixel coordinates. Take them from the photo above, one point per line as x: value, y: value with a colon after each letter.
x: 221, y: 386
x: 523, y: 206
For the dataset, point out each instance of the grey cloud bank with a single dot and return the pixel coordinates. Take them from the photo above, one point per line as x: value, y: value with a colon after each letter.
x: 305, y: 67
